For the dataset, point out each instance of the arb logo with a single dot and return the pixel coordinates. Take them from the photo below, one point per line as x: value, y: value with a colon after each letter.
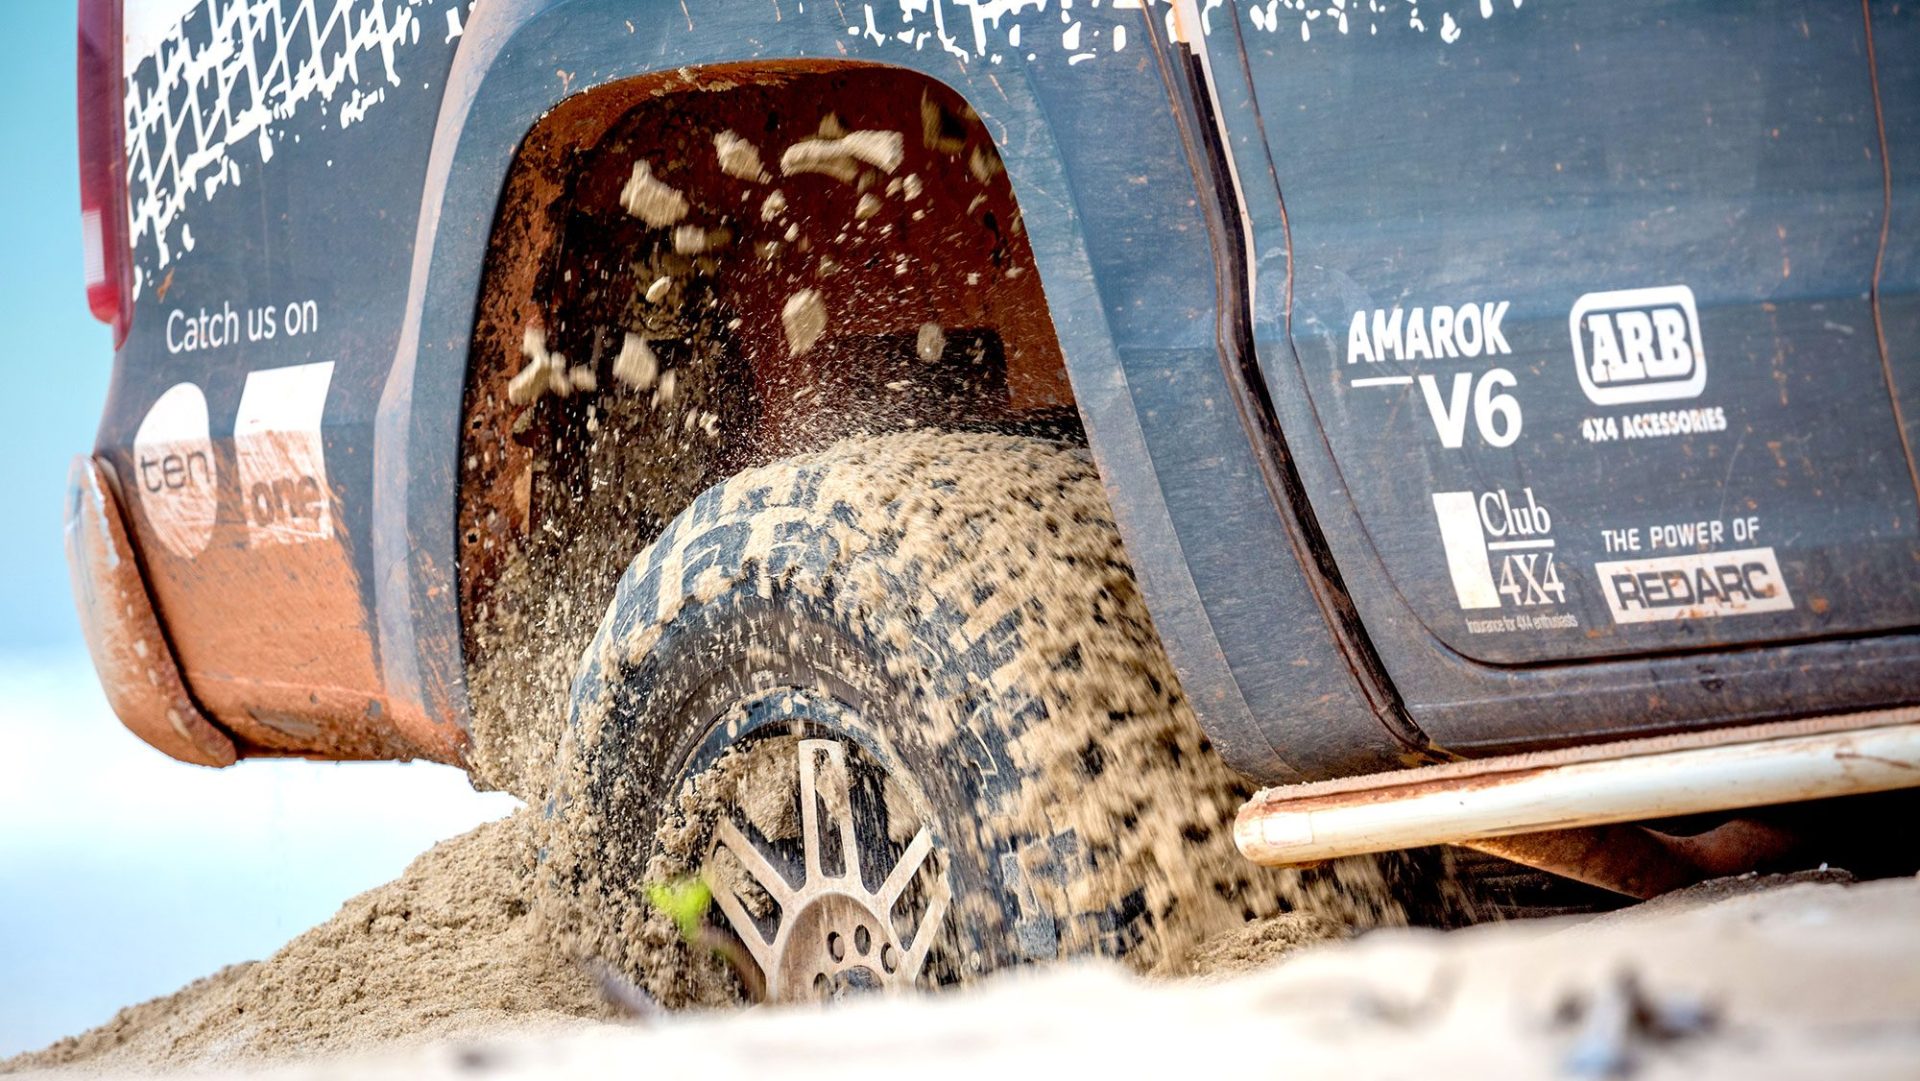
x: 1638, y: 345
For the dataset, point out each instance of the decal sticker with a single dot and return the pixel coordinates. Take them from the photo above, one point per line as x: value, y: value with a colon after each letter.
x: 1695, y: 586
x: 192, y: 332
x: 277, y: 443
x: 173, y: 470
x: 992, y: 29
x: 1500, y: 554
x: 1394, y: 337
x: 1701, y: 421
x: 1638, y: 345
x: 202, y: 330
x: 200, y: 104
x: 1363, y: 21
x: 1466, y: 547
x: 1704, y: 533
x: 1425, y: 334
x: 144, y: 24
x: 1632, y: 346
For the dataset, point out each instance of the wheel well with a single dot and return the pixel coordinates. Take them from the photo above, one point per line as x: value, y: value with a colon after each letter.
x: 933, y: 315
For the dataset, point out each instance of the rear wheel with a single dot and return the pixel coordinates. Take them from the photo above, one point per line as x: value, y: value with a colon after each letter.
x: 899, y: 707
x: 844, y: 922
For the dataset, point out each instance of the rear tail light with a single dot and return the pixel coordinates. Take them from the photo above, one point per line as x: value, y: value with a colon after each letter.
x: 103, y: 168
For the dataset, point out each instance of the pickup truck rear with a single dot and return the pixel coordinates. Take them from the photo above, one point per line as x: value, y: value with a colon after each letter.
x: 1484, y: 422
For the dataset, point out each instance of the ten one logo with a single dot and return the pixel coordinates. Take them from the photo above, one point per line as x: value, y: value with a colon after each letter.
x: 173, y: 470
x: 1638, y: 345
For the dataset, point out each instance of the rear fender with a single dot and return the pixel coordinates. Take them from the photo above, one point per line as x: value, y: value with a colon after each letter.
x: 1081, y: 115
x: 130, y: 652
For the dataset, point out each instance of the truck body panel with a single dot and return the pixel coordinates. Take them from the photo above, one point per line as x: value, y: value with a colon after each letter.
x: 343, y: 640
x: 1540, y: 558
x: 275, y: 160
x: 316, y: 183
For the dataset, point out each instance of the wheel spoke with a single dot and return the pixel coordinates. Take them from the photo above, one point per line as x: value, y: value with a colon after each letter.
x: 809, y: 810
x: 839, y: 789
x: 831, y: 930
x: 754, y: 862
x: 925, y: 931
x: 903, y: 871
x: 746, y: 929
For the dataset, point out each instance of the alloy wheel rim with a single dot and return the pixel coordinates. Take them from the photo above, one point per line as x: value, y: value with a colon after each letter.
x: 834, y: 935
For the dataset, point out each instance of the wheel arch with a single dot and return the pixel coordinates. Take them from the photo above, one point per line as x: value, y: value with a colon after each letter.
x: 961, y: 338
x: 522, y: 61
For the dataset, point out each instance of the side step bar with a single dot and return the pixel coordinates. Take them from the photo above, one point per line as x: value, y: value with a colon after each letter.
x: 1474, y: 801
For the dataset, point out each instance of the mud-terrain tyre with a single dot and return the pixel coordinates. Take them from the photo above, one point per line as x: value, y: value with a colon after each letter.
x: 937, y: 628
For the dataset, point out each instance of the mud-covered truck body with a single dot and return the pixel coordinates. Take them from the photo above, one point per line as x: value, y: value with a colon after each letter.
x: 1485, y: 382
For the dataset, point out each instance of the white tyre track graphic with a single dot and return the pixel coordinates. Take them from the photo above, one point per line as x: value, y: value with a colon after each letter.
x: 198, y: 103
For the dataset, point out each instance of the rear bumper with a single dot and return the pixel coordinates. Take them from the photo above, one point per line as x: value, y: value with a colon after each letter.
x: 130, y: 651
x: 1465, y: 802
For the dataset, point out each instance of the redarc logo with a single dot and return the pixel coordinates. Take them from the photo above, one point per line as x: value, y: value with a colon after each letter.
x: 1695, y: 586
x: 1638, y: 345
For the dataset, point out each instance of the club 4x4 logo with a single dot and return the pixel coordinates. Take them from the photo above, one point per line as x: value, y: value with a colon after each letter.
x: 1500, y: 549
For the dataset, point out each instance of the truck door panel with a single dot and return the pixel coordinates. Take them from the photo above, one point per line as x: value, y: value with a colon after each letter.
x: 1896, y: 39
x: 1535, y: 168
x: 1579, y: 299
x: 1624, y: 195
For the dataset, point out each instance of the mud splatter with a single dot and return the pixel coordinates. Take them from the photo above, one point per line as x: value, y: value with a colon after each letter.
x: 651, y: 201
x: 804, y: 317
x: 841, y: 157
x: 739, y: 158
x: 1013, y: 533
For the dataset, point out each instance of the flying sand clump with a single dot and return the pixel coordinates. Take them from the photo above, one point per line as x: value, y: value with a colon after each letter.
x: 650, y: 200
x: 804, y: 318
x: 841, y: 158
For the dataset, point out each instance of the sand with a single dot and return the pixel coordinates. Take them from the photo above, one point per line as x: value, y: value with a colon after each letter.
x: 1805, y: 979
x: 447, y: 948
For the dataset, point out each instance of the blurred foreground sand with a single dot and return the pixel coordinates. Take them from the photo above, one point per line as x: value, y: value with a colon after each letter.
x: 1735, y: 979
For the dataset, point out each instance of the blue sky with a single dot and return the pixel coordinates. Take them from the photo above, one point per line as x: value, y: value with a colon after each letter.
x: 124, y: 874
x: 54, y: 340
